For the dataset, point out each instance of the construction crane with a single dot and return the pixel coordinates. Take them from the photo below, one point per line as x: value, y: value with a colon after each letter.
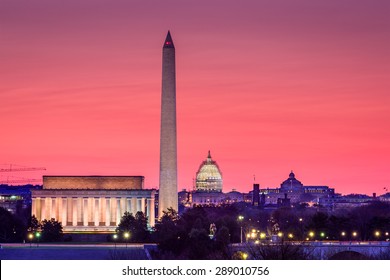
x: 17, y: 180
x: 18, y: 168
x: 14, y: 168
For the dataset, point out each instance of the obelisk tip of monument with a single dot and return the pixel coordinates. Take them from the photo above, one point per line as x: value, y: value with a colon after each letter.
x: 168, y: 41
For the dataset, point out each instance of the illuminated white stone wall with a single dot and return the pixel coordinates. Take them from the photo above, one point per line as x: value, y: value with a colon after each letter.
x: 91, y: 210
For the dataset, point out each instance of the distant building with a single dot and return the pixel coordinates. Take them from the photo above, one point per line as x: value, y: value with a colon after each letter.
x: 92, y: 203
x: 208, y: 176
x: 336, y: 202
x: 296, y: 192
x: 16, y: 199
x: 256, y: 195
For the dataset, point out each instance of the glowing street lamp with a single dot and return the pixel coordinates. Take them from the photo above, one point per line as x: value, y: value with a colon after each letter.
x: 262, y: 235
x: 311, y: 234
x: 30, y: 236
x: 37, y: 235
x: 343, y: 233
x: 126, y: 235
x: 244, y: 256
x: 377, y: 234
x: 115, y: 236
x: 290, y: 235
x: 322, y: 234
x: 240, y: 219
x: 354, y: 234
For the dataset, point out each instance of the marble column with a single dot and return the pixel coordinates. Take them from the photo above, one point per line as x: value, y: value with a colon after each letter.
x: 69, y: 218
x: 123, y: 206
x: 143, y: 205
x: 97, y: 212
x: 64, y: 211
x: 128, y: 205
x: 85, y: 211
x: 91, y: 212
x: 118, y: 211
x: 79, y: 211
x: 133, y: 205
x: 150, y: 211
x: 74, y: 210
x: 108, y: 211
x: 43, y: 208
x: 34, y: 207
x: 113, y: 210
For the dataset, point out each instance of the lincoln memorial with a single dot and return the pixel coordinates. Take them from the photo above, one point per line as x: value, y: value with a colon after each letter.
x: 92, y: 203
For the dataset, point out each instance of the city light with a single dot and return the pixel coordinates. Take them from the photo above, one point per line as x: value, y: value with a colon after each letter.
x: 280, y: 234
x: 290, y: 235
x: 322, y: 234
x: 126, y: 235
x: 377, y: 234
x: 240, y: 218
x: 343, y: 233
x: 262, y: 235
x: 354, y: 234
x: 244, y: 256
x: 311, y: 234
x: 30, y: 236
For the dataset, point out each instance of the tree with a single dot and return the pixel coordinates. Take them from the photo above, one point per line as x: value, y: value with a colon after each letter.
x: 51, y: 230
x: 169, y: 236
x: 319, y: 223
x: 33, y: 224
x: 136, y: 226
x: 11, y: 228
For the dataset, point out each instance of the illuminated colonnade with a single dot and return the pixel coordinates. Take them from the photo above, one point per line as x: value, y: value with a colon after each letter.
x: 91, y: 210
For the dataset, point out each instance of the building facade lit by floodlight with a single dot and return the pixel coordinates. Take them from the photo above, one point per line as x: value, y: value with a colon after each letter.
x: 209, y: 176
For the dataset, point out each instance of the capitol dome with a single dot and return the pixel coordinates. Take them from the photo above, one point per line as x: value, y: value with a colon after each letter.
x: 209, y: 176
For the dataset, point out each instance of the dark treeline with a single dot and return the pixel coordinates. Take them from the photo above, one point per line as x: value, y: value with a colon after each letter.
x: 187, y: 236
x: 207, y: 232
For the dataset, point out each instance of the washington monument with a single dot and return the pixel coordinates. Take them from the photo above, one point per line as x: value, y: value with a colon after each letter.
x: 168, y: 149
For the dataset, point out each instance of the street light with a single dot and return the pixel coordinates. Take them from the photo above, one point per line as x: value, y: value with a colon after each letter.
x: 115, y: 238
x: 30, y: 236
x: 311, y: 234
x: 377, y: 234
x: 240, y: 219
x: 37, y: 235
x: 126, y: 235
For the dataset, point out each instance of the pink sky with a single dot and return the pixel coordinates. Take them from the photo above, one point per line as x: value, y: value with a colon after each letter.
x: 267, y: 86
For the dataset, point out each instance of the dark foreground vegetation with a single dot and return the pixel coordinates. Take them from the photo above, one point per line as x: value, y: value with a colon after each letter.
x: 209, y: 232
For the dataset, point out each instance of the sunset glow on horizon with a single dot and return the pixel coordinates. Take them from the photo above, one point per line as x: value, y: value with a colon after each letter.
x: 266, y: 86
